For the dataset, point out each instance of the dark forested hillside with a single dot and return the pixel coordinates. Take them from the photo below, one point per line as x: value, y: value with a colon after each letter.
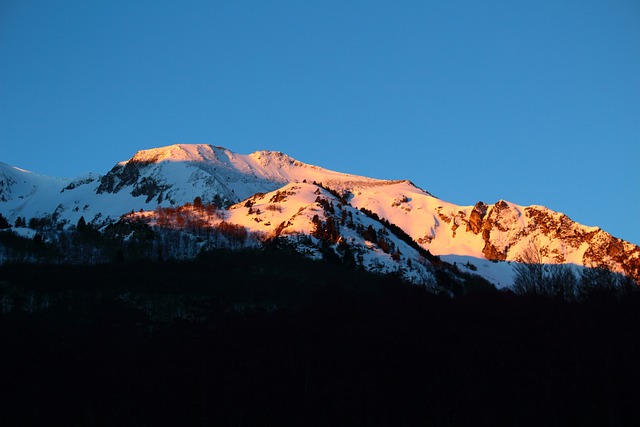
x: 267, y: 337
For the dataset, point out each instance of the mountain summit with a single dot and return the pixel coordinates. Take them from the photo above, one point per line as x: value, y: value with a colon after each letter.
x: 178, y: 173
x: 384, y: 224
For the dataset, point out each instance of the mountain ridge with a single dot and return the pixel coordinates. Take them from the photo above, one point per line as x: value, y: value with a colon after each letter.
x: 175, y: 175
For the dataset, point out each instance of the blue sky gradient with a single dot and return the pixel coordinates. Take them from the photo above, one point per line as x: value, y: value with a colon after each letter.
x: 535, y: 102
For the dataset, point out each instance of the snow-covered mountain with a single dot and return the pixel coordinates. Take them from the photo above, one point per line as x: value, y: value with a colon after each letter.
x: 270, y: 193
x: 311, y: 219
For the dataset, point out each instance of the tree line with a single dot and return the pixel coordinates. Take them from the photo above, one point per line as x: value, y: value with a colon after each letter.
x: 268, y: 337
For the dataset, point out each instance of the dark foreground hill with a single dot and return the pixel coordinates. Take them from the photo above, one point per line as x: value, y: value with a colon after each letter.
x: 272, y: 338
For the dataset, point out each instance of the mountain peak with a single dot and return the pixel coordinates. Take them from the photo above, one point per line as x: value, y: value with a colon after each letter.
x: 276, y: 158
x: 180, y: 153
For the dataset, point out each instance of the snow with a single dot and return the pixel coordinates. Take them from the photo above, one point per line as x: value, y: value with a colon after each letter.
x: 499, y: 273
x: 186, y: 171
x: 288, y: 213
x: 418, y: 216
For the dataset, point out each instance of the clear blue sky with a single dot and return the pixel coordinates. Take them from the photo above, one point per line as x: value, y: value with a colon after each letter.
x: 535, y: 102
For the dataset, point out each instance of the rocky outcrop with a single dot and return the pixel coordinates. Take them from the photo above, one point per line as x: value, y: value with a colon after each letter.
x: 507, y: 230
x: 476, y: 217
x: 497, y: 220
x: 490, y: 251
x: 5, y: 187
x: 130, y: 174
x: 121, y: 175
x: 605, y: 250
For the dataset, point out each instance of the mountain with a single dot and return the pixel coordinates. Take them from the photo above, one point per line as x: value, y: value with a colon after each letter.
x: 387, y: 226
x: 311, y: 219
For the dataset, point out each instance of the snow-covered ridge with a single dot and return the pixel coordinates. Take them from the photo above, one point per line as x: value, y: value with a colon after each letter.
x: 175, y: 175
x: 272, y: 165
x: 312, y: 220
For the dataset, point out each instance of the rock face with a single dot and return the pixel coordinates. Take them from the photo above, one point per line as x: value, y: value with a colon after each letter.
x: 130, y: 174
x: 476, y: 217
x: 507, y: 230
x: 6, y: 182
x: 120, y: 176
x: 604, y: 250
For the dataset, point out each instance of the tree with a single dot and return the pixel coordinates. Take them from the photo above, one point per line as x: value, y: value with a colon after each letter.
x: 218, y: 201
x: 42, y: 223
x: 347, y: 254
x: 598, y: 283
x: 318, y: 227
x: 528, y: 279
x: 534, y: 278
x: 82, y: 225
x: 530, y: 273
x: 331, y: 232
x: 370, y: 234
x: 3, y: 222
x: 197, y: 202
x: 38, y: 240
x: 561, y: 282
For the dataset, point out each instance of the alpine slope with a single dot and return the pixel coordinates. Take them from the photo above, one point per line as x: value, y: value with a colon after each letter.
x: 385, y: 225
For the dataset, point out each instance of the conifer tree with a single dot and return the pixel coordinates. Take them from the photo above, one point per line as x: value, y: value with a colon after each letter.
x: 82, y: 225
x: 3, y: 222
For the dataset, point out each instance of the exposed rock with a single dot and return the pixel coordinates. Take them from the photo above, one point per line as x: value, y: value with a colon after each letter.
x: 78, y: 182
x: 151, y: 188
x: 121, y: 176
x: 475, y: 218
x: 503, y: 216
x: 489, y: 250
x: 605, y: 250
